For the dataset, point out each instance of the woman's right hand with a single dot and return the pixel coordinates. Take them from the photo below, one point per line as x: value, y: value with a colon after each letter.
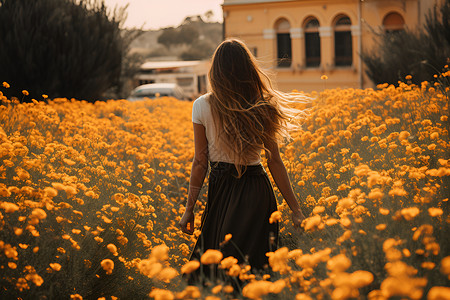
x: 297, y: 218
x: 187, y: 222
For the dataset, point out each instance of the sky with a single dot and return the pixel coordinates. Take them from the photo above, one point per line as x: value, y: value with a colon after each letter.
x: 155, y: 14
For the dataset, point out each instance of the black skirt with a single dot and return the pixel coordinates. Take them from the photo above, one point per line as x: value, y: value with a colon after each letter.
x: 240, y: 207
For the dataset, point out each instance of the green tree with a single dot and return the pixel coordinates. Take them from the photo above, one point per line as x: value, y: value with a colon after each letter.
x: 131, y: 62
x: 168, y: 37
x: 420, y: 53
x: 63, y: 48
x: 188, y: 34
x: 200, y: 50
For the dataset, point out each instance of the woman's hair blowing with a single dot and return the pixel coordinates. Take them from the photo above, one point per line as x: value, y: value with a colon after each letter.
x: 248, y: 113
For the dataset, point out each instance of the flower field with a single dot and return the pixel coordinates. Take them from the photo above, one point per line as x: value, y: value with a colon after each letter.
x: 91, y: 195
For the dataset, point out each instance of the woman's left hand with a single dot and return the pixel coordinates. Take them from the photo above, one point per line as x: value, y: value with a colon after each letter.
x: 297, y: 219
x: 187, y: 222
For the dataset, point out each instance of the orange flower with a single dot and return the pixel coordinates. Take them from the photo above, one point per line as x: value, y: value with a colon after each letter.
x: 211, y: 256
x: 445, y: 266
x: 107, y: 265
x: 275, y: 217
x: 438, y: 293
x: 55, y: 266
x: 112, y: 248
x: 381, y: 227
x: 160, y: 294
x: 410, y: 213
x: 167, y: 274
x: 435, y: 211
x: 190, y: 267
x: 228, y: 262
x: 339, y: 263
x: 9, y: 207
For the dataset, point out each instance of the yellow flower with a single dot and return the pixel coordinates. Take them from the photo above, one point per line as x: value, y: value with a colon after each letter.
x: 339, y: 263
x: 381, y: 227
x: 216, y: 289
x: 211, y: 256
x: 318, y: 209
x: 112, y: 248
x: 160, y: 294
x: 228, y: 262
x: 438, y: 293
x: 190, y: 267
x: 324, y: 77
x: 384, y: 211
x: 12, y: 265
x: 9, y: 207
x: 376, y: 194
x: 107, y: 265
x: 278, y: 260
x: 38, y: 213
x: 44, y: 96
x: 275, y: 217
x: 6, y: 85
x: 25, y: 92
x: 302, y: 296
x: 190, y: 292
x: 312, y: 222
x: 435, y: 211
x: 257, y: 289
x: 160, y: 252
x: 55, y: 266
x: 445, y: 266
x: 428, y: 265
x: 167, y: 274
x: 434, y: 135
x: 410, y: 213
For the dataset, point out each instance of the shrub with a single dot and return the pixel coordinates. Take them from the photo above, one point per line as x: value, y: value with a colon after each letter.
x: 419, y: 53
x: 63, y: 48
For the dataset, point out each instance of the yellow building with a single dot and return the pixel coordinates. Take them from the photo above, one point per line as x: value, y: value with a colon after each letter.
x: 301, y: 40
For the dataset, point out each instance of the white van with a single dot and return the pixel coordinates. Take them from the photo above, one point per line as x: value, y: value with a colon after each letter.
x: 190, y: 76
x: 155, y: 90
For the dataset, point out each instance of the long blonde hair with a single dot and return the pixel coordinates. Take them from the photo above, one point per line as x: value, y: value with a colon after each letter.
x: 247, y: 111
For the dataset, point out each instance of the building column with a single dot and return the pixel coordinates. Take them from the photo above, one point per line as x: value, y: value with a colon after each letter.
x: 269, y: 36
x: 298, y: 51
x: 326, y: 47
x: 356, y: 52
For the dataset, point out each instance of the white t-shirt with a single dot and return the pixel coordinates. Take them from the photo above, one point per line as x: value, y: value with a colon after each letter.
x: 201, y: 114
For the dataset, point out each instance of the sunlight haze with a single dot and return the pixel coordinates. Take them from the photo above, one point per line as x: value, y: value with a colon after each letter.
x: 155, y: 14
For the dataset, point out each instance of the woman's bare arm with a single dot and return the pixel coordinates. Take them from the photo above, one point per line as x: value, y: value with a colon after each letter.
x: 281, y: 178
x: 198, y: 173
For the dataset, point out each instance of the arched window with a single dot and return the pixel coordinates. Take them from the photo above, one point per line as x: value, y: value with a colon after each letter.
x: 284, y: 47
x: 393, y: 22
x: 312, y: 43
x: 343, y: 52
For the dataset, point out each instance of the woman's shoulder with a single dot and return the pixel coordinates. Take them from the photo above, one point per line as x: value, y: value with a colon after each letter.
x: 201, y: 110
x: 202, y: 101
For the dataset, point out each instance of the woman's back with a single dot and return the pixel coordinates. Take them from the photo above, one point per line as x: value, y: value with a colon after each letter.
x: 201, y: 114
x: 241, y: 116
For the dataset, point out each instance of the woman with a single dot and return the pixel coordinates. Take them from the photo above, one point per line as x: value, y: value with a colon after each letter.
x: 240, y: 117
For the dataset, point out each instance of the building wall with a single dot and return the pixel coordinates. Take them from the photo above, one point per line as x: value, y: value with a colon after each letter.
x: 255, y: 23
